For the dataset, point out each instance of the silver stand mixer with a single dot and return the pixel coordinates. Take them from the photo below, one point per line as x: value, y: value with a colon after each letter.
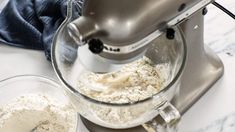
x: 203, y: 69
x: 119, y: 31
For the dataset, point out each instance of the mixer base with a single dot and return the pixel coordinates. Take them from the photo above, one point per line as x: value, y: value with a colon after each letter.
x: 92, y: 127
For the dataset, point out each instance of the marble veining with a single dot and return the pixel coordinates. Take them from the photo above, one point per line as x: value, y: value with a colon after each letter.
x: 226, y: 124
x: 220, y: 29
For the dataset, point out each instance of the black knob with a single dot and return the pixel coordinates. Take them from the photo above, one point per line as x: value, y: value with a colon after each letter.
x: 170, y: 33
x: 182, y: 7
x: 204, y: 11
x: 96, y: 46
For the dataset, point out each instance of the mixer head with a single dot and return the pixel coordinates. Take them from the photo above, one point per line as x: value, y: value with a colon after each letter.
x: 118, y: 32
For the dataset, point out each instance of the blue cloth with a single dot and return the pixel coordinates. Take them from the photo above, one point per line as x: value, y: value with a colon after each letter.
x: 31, y: 24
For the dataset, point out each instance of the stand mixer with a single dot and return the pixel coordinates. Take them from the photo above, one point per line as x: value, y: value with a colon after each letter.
x: 113, y: 33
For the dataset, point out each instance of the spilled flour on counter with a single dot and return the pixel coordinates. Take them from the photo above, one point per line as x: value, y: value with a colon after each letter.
x: 37, y: 113
x: 135, y: 81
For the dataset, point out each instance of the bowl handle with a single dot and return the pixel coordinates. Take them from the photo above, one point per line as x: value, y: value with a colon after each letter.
x: 165, y: 121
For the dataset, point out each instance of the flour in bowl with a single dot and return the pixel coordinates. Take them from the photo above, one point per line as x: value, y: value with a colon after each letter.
x: 135, y: 81
x: 37, y: 113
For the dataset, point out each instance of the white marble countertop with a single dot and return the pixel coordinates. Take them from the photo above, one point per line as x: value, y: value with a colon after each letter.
x: 214, y: 112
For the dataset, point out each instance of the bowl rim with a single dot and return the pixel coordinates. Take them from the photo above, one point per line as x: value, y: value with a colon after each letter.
x: 41, y: 77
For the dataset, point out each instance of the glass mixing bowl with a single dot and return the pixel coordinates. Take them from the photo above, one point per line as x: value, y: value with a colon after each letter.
x: 122, y: 115
x: 23, y: 85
